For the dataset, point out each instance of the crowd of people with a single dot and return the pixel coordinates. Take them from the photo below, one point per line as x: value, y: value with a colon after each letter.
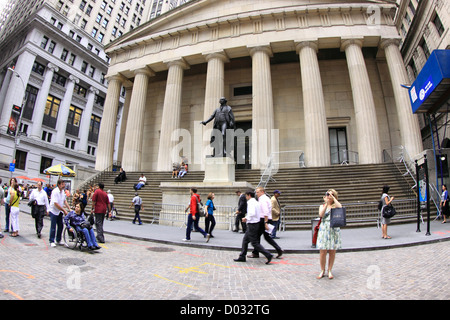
x: 257, y: 215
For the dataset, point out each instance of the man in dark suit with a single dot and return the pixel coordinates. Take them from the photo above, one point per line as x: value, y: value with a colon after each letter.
x: 223, y: 120
x: 241, y: 212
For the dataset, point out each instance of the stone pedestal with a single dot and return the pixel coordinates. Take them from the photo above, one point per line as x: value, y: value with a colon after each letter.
x: 219, y: 179
x: 219, y: 170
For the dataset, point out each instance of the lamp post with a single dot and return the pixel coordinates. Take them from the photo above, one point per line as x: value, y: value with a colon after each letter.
x: 16, y: 132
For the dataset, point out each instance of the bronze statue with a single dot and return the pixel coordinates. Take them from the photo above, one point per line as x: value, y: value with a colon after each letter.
x: 223, y: 120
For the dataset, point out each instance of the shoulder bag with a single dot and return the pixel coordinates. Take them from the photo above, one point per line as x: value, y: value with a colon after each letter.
x: 338, y: 218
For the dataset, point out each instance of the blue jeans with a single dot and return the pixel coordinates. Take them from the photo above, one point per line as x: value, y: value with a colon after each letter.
x: 7, y: 213
x: 191, y: 222
x: 89, y: 235
x: 56, y: 227
x: 275, y: 224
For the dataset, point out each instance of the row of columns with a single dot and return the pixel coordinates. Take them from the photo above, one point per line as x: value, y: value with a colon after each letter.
x: 23, y: 68
x: 317, y: 152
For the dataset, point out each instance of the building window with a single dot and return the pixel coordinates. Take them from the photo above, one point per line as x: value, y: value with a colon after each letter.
x: 59, y: 79
x: 21, y: 159
x: 30, y: 96
x: 438, y: 24
x: 52, y: 46
x: 72, y: 59
x: 94, y: 129
x: 51, y: 111
x: 45, y: 163
x: 73, y: 122
x: 38, y: 68
x: 64, y: 55
x: 70, y: 144
x: 80, y: 90
x: 92, y: 72
x: 84, y: 67
x: 46, y: 136
x: 44, y: 42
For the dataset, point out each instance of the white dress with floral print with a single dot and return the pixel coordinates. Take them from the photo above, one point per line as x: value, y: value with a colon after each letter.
x: 328, y: 238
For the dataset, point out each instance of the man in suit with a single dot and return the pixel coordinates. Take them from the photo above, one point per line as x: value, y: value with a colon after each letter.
x: 223, y: 120
x: 241, y: 212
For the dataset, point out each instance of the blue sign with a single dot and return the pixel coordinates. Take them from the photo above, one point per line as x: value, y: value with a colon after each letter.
x: 12, y: 167
x: 423, y: 94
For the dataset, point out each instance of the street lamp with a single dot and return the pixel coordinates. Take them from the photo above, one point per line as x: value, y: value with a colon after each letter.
x: 16, y: 132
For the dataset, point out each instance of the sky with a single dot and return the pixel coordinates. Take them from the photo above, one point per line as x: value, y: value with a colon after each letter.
x: 2, y: 4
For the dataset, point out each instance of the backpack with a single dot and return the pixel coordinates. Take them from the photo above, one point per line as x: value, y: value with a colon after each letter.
x: 380, y: 205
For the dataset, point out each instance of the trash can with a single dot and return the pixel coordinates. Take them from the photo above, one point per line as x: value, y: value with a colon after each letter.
x: 314, y: 223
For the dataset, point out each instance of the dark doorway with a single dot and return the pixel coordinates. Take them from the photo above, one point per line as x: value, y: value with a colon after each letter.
x: 242, y: 145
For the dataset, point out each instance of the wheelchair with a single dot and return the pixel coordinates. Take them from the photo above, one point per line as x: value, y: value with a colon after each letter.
x: 74, y: 239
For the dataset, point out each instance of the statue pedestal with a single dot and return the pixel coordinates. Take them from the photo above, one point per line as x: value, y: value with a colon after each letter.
x: 220, y: 169
x: 219, y: 179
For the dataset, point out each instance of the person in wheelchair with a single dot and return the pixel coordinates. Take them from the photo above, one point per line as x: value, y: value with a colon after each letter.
x: 76, y: 219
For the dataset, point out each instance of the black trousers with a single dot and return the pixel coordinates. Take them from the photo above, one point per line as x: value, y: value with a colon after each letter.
x: 267, y: 237
x: 99, y: 218
x: 39, y: 213
x: 252, y: 236
x: 238, y: 221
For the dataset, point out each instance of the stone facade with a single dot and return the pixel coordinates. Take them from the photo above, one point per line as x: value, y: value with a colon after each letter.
x: 312, y: 71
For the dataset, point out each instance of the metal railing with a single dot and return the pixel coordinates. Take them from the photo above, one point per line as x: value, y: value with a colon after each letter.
x: 281, y: 159
x: 175, y: 215
x: 357, y: 212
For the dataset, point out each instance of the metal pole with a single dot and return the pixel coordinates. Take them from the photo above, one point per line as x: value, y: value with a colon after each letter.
x: 428, y: 195
x: 418, y: 196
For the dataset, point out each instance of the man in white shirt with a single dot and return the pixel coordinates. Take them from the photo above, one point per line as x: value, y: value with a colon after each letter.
x: 265, y: 220
x: 142, y: 181
x: 252, y: 235
x: 41, y: 207
x: 57, y: 211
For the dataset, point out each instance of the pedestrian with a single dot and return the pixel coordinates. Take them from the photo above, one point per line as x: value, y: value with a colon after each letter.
x: 100, y: 206
x: 14, y: 201
x: 137, y: 202
x: 77, y: 219
x: 2, y: 202
x: 265, y: 220
x: 444, y: 203
x: 328, y: 239
x: 7, y: 207
x: 193, y: 216
x: 111, y: 206
x: 386, y: 200
x: 241, y: 212
x: 276, y: 212
x: 41, y: 208
x: 58, y: 206
x: 252, y: 234
x: 210, y: 221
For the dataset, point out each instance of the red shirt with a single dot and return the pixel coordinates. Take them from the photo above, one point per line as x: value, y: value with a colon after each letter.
x: 193, y: 205
x: 101, y: 201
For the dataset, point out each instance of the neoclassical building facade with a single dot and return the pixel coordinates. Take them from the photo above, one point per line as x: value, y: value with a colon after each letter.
x: 322, y: 77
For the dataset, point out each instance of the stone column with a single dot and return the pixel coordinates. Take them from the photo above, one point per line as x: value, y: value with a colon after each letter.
x: 171, y: 115
x: 63, y: 112
x: 369, y: 146
x: 41, y: 101
x: 317, y: 148
x: 215, y: 89
x: 105, y: 145
x: 132, y: 152
x: 262, y: 109
x: 5, y: 87
x: 17, y: 87
x: 409, y: 124
x: 86, y: 120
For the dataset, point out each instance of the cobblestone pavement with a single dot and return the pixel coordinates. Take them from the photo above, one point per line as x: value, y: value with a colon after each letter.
x: 131, y: 269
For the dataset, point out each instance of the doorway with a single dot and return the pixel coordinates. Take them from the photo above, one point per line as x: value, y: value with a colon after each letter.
x: 338, y: 145
x: 242, y: 145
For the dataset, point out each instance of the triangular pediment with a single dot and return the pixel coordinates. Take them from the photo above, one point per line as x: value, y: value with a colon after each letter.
x: 198, y: 14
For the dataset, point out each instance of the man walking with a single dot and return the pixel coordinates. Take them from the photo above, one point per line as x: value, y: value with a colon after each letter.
x: 58, y: 204
x: 252, y: 235
x: 41, y: 208
x: 193, y: 216
x: 276, y: 211
x: 100, y: 206
x: 241, y: 212
x: 266, y: 218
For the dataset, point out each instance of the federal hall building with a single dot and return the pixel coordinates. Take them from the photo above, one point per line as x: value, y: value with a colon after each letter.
x: 321, y: 77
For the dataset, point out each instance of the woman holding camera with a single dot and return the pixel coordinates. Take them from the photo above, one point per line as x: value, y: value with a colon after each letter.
x: 328, y: 239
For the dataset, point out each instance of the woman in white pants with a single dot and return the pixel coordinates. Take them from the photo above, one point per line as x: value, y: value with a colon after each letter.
x: 14, y: 205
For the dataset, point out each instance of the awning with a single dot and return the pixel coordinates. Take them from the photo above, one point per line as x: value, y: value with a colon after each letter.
x: 430, y: 93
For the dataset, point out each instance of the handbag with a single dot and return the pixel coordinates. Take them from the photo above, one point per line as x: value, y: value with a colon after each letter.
x: 338, y: 218
x: 200, y: 209
x: 388, y: 211
x: 316, y: 232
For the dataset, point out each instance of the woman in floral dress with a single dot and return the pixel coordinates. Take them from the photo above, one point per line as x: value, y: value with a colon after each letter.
x: 328, y: 239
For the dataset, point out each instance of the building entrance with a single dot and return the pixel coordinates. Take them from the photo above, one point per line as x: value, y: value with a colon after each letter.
x: 338, y: 145
x: 242, y: 145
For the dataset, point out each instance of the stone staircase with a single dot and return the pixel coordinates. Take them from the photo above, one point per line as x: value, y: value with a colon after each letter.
x: 299, y: 186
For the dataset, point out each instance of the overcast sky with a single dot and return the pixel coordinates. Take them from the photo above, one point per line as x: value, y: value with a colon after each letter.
x: 2, y: 4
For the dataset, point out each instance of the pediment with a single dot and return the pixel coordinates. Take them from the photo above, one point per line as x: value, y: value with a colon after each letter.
x: 201, y: 14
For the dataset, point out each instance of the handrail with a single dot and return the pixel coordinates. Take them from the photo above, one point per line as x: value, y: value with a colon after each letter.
x: 99, y: 175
